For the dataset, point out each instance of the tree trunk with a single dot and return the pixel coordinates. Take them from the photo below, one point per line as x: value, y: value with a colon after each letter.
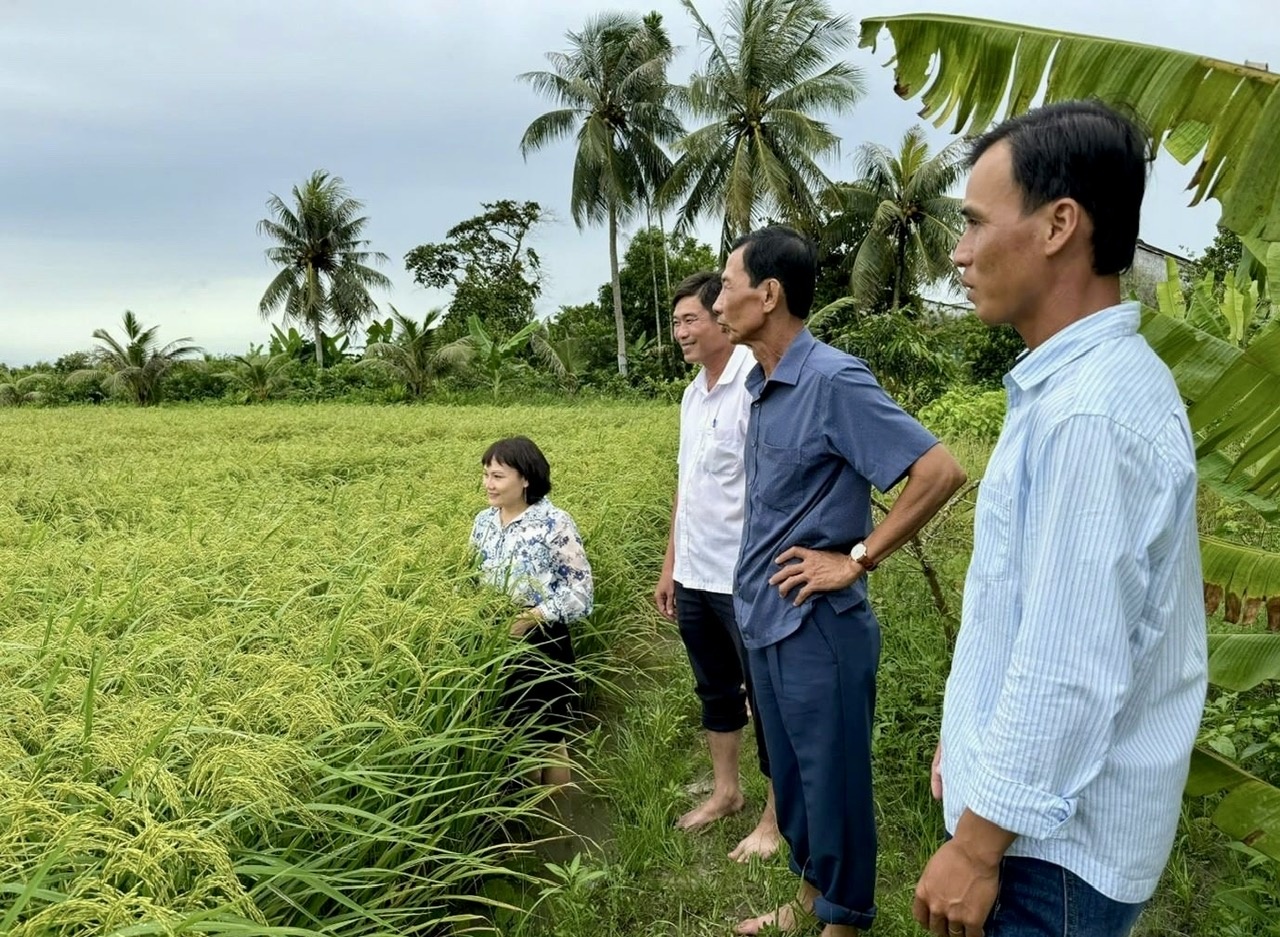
x: 618, y: 322
x: 899, y: 273
x: 666, y: 253
x: 319, y: 339
x: 653, y: 275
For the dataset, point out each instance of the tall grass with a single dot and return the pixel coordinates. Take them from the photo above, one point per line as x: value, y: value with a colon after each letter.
x: 247, y: 684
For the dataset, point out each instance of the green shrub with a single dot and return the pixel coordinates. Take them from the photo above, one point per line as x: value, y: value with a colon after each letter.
x: 189, y: 381
x: 966, y: 413
x: 903, y: 353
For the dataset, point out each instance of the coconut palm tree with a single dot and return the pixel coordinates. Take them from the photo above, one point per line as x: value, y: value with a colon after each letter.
x: 18, y: 391
x: 137, y: 366
x: 260, y: 376
x: 763, y: 81
x: 612, y: 91
x: 912, y: 223
x: 413, y: 356
x: 565, y: 355
x: 324, y: 275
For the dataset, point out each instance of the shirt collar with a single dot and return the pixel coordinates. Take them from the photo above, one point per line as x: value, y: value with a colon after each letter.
x: 738, y: 358
x: 788, y: 368
x: 1078, y: 338
x: 531, y: 513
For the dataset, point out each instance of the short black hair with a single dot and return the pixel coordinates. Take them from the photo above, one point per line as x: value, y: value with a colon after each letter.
x: 783, y: 254
x: 1086, y: 151
x: 705, y: 284
x: 523, y: 455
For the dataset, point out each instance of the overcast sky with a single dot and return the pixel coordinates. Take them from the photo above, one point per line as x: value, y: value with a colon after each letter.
x: 140, y: 139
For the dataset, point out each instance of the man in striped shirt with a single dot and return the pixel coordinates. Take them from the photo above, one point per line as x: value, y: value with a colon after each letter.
x: 1080, y: 669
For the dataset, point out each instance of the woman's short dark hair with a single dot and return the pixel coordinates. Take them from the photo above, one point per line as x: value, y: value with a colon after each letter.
x: 1086, y: 151
x: 783, y: 254
x: 523, y: 455
x: 705, y: 284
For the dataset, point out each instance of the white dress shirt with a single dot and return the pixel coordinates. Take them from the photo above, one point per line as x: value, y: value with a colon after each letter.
x: 1079, y: 672
x: 712, y: 489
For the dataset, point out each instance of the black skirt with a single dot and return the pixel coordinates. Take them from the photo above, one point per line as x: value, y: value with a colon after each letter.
x: 542, y: 688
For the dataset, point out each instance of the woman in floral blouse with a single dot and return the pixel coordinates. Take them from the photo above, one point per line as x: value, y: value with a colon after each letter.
x: 531, y: 549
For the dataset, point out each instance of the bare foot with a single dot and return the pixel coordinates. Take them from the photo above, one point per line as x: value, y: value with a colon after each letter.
x: 714, y: 808
x: 786, y: 919
x: 761, y: 842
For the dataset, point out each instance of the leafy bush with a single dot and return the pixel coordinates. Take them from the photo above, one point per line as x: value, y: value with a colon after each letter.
x: 189, y: 381
x: 966, y: 413
x: 348, y: 381
x: 988, y: 353
x: 902, y: 353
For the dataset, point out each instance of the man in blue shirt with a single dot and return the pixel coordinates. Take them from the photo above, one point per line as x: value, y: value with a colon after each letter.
x: 1079, y: 672
x: 821, y: 432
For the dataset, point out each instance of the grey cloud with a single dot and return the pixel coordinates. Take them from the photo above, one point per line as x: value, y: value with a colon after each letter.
x: 142, y: 138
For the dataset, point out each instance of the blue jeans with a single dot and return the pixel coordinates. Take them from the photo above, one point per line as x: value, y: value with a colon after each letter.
x: 1040, y: 899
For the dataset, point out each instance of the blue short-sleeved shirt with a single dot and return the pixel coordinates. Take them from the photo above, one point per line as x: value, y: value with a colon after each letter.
x: 820, y: 433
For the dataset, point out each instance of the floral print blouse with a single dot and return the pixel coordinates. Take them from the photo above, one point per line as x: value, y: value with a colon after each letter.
x: 538, y: 558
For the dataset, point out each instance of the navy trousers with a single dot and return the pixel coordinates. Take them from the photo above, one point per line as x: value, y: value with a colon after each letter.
x: 816, y: 693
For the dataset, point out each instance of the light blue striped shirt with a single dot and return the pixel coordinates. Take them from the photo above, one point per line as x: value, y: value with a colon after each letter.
x: 1079, y: 672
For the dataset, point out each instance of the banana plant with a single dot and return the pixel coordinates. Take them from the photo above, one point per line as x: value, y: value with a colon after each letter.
x: 971, y: 72
x: 1231, y: 316
x: 493, y: 357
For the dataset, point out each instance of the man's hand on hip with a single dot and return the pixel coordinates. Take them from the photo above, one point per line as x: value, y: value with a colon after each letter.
x: 813, y: 571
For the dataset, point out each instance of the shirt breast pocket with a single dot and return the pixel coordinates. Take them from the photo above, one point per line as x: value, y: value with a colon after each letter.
x: 782, y: 475
x: 723, y: 457
x: 993, y: 532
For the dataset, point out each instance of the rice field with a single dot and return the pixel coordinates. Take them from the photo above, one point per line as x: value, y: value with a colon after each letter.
x: 246, y: 680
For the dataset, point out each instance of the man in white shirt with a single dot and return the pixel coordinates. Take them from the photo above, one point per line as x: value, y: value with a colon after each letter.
x: 696, y: 587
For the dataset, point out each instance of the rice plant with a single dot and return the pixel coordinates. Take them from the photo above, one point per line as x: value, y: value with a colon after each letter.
x: 247, y: 682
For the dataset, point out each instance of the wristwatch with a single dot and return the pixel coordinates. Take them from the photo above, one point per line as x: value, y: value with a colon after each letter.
x: 860, y: 556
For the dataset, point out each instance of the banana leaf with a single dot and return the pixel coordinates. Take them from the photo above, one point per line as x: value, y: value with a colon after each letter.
x: 964, y: 69
x: 1234, y: 406
x: 1251, y: 810
x: 1239, y: 662
x: 1246, y: 579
